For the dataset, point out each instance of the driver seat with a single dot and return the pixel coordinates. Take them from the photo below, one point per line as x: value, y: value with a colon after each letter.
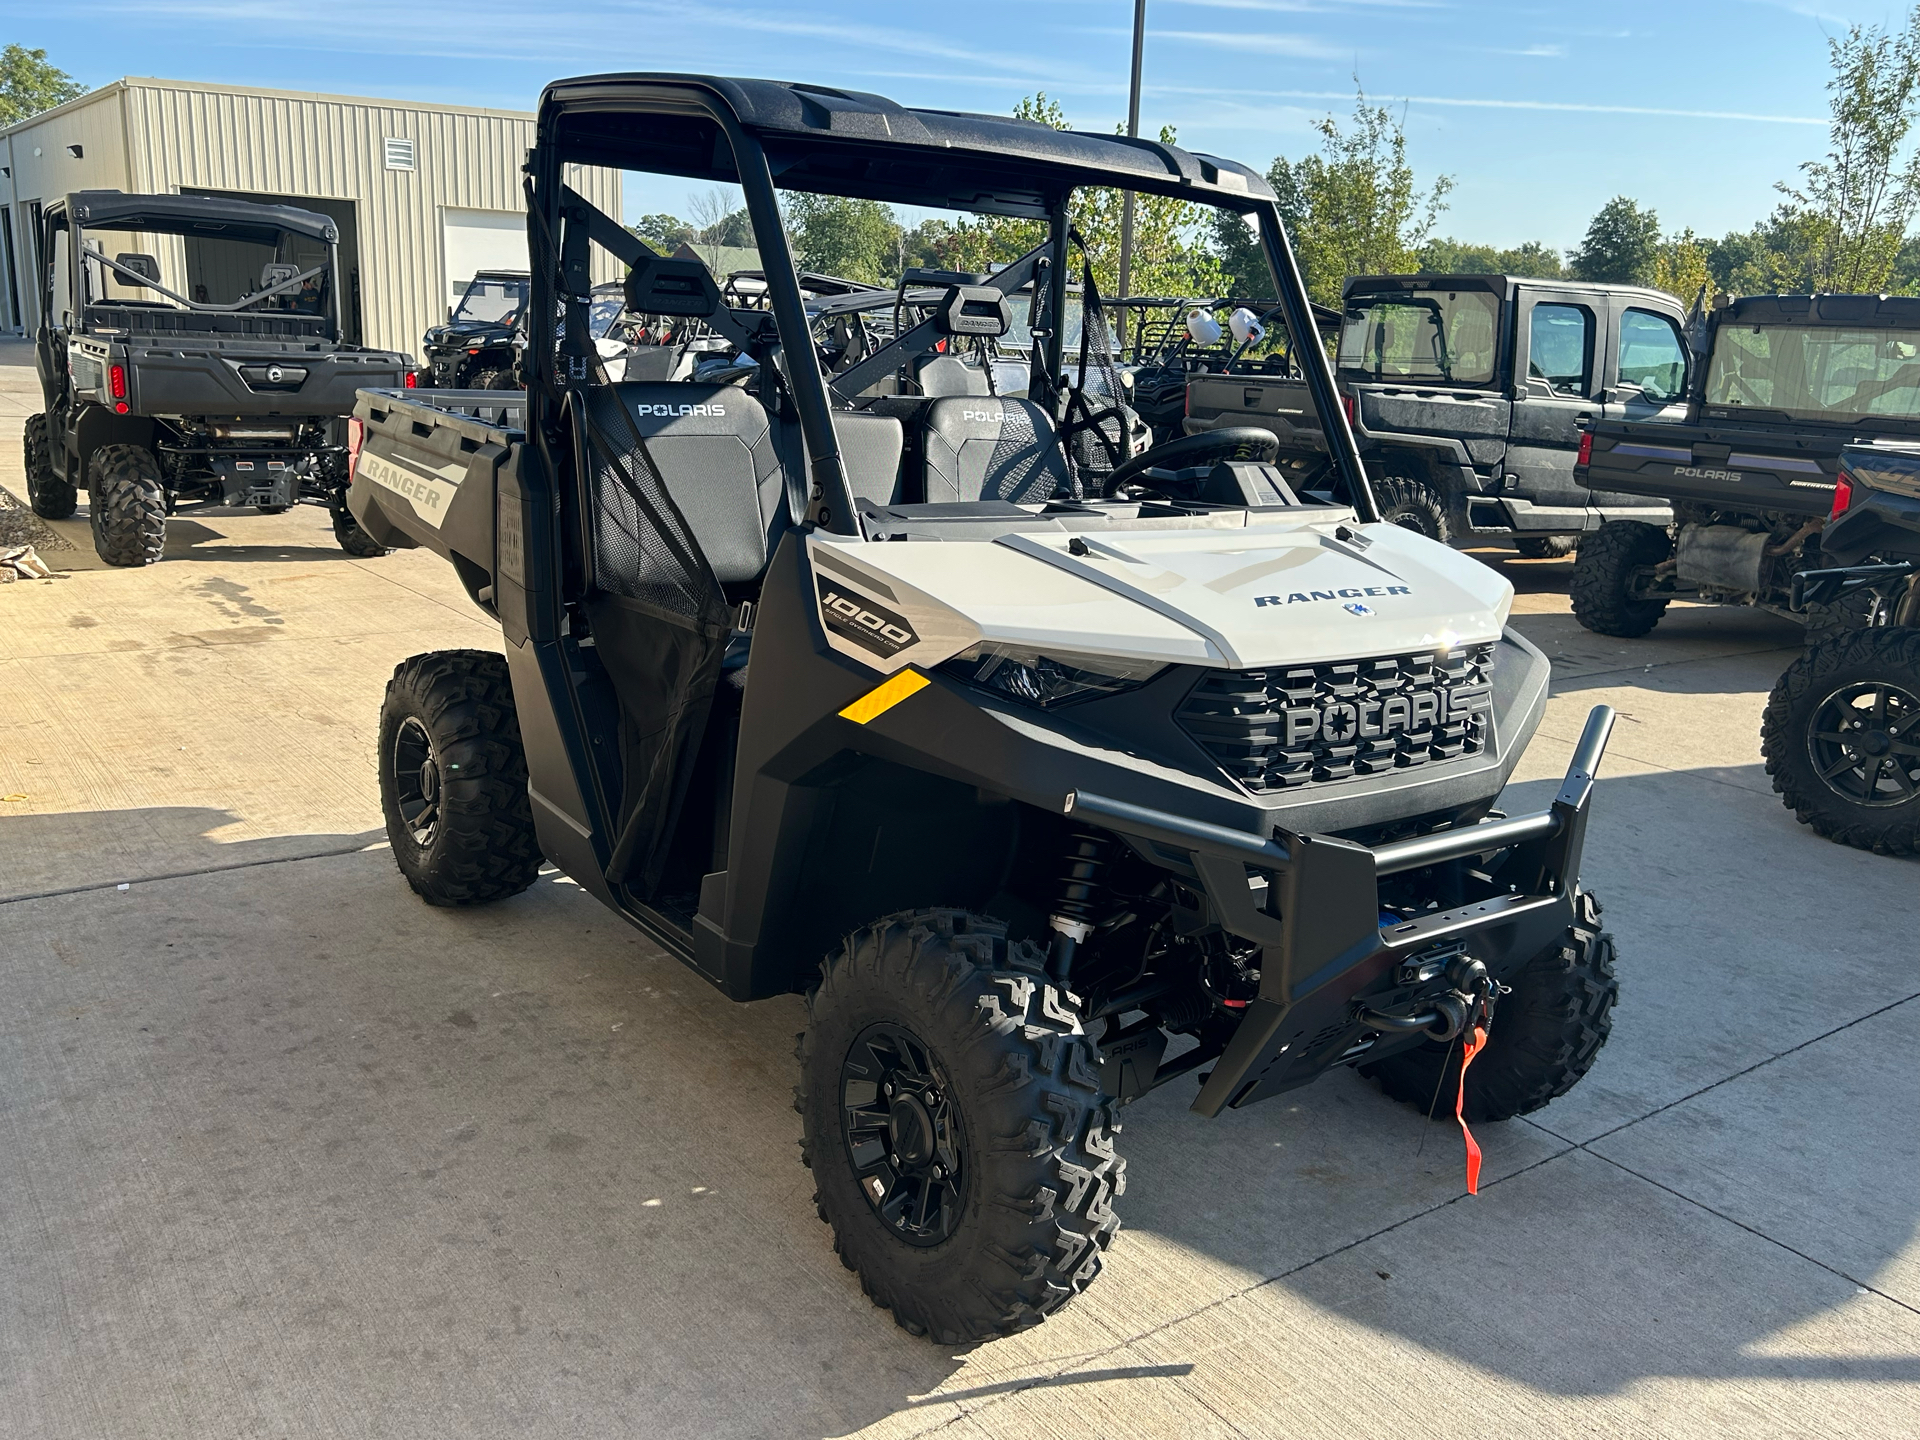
x: 988, y: 448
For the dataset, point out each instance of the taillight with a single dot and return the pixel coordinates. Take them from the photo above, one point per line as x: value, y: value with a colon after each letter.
x: 356, y: 437
x: 1842, y: 496
x: 1353, y: 409
x: 413, y: 380
x: 117, y: 381
x: 1585, y: 457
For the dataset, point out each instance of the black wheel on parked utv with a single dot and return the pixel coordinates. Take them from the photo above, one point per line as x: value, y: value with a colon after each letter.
x: 51, y: 497
x: 352, y: 536
x: 1414, y: 503
x: 1611, y: 561
x: 453, y: 779
x: 127, y: 505
x: 952, y: 1115
x: 1544, y: 1038
x: 1841, y: 738
x: 1545, y: 547
x: 495, y: 379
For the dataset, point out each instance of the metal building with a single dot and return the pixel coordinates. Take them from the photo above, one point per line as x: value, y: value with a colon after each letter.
x: 423, y: 195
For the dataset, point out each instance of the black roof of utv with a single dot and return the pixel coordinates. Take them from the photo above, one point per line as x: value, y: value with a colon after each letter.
x: 235, y: 218
x: 848, y: 142
x: 1852, y: 310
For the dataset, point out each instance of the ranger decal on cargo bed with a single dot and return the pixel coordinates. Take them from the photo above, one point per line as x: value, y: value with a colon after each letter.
x: 429, y: 494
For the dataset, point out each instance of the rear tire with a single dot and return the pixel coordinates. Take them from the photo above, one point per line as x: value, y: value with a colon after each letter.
x: 1545, y: 1035
x: 352, y: 535
x: 453, y: 779
x: 1545, y: 547
x: 1017, y: 1192
x: 51, y: 497
x: 1414, y: 504
x: 127, y: 505
x: 1608, y: 563
x: 1861, y: 690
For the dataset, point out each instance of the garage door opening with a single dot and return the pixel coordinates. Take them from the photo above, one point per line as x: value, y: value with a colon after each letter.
x: 476, y: 240
x: 345, y: 217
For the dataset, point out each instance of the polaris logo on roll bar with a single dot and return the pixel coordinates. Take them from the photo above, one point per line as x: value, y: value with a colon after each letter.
x: 1355, y: 592
x: 675, y: 410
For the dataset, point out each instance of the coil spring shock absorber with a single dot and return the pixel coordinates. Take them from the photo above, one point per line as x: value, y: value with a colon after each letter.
x: 1073, y: 912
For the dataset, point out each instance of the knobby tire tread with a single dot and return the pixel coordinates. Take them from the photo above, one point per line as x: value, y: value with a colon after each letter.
x: 1044, y: 1172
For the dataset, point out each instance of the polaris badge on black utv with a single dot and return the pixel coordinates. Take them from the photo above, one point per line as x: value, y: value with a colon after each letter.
x: 1045, y: 786
x: 203, y: 365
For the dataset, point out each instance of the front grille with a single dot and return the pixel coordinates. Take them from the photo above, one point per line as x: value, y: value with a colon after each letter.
x: 1282, y: 728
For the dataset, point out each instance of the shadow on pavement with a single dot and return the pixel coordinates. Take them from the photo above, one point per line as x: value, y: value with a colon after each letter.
x: 513, y: 1162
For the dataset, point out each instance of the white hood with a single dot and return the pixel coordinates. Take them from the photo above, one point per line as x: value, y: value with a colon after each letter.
x: 1289, y: 593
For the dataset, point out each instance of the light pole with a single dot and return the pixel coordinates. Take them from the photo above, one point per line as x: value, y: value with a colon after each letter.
x: 1133, y: 133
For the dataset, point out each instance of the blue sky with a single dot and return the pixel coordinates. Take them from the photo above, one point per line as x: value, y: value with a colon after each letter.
x: 1539, y: 111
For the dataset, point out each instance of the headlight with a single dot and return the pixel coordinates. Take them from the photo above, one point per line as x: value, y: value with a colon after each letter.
x: 1048, y: 680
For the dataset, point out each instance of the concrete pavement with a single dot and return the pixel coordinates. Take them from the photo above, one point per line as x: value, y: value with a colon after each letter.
x: 284, y: 1151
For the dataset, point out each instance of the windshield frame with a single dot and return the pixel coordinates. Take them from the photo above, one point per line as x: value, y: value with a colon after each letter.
x: 523, y: 285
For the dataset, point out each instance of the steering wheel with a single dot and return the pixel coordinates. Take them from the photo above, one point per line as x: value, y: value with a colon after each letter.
x: 1209, y: 447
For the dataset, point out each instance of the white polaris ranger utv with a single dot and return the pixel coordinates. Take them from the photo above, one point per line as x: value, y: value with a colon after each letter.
x: 1050, y: 773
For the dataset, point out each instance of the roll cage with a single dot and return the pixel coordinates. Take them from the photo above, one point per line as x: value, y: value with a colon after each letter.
x: 757, y: 134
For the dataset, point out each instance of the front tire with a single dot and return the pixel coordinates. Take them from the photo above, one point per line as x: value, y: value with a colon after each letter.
x: 127, y: 505
x: 51, y: 497
x: 453, y: 779
x: 1545, y: 1036
x: 1610, y: 561
x: 983, y: 1210
x: 494, y: 379
x: 1414, y: 504
x: 1545, y: 547
x: 1841, y: 738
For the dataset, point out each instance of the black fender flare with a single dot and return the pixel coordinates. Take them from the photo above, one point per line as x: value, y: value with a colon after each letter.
x: 97, y: 426
x: 1444, y: 460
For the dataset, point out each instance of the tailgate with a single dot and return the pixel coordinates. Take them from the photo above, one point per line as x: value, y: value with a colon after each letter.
x: 185, y: 378
x: 1217, y: 402
x: 1743, y: 470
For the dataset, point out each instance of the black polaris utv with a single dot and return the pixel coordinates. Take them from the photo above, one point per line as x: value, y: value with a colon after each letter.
x: 476, y: 348
x: 1045, y: 784
x: 1841, y: 734
x: 189, y: 352
x: 1788, y: 382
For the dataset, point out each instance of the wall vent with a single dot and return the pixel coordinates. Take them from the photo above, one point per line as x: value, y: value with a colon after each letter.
x: 399, y: 153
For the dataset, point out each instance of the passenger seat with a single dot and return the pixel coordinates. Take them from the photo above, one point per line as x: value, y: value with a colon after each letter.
x: 986, y: 448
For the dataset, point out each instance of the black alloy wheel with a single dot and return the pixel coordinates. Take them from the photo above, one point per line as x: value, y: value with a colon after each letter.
x: 1865, y: 743
x: 416, y: 780
x: 904, y: 1134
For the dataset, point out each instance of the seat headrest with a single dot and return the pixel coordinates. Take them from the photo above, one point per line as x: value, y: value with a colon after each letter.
x: 663, y: 285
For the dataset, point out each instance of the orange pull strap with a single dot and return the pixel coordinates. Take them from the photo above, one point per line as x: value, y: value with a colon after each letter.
x: 1473, y: 1047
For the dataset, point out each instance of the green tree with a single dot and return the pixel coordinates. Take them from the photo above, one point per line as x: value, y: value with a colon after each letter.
x: 28, y: 84
x: 1851, y: 210
x: 1621, y: 245
x: 1680, y: 265
x: 856, y: 239
x: 1531, y: 260
x: 663, y: 232
x: 1354, y: 208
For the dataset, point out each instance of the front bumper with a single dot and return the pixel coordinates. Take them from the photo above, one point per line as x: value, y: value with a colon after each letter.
x: 1326, y: 956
